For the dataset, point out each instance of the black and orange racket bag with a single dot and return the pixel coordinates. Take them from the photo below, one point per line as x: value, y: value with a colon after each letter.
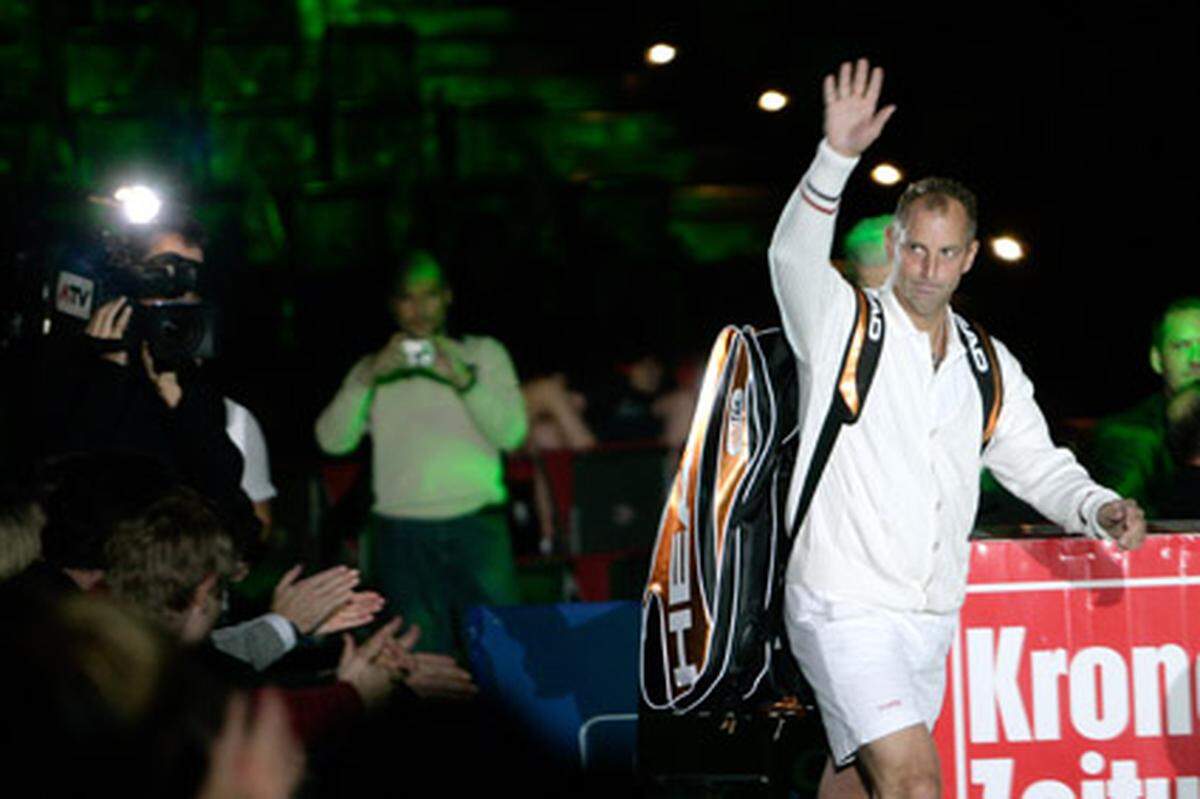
x: 712, y: 627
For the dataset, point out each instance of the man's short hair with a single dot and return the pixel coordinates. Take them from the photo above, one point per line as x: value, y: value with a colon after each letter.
x: 159, y: 556
x: 412, y: 263
x: 935, y: 194
x: 1176, y: 306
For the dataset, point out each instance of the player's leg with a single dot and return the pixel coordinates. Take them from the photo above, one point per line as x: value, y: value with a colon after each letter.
x: 903, y: 765
x: 843, y: 783
x: 878, y: 677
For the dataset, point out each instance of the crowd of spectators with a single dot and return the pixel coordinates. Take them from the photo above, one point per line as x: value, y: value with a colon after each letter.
x: 135, y: 660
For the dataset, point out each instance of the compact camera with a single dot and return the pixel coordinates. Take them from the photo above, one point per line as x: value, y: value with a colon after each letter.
x: 420, y: 353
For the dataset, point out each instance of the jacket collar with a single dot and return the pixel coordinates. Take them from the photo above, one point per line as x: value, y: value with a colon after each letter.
x: 954, y: 345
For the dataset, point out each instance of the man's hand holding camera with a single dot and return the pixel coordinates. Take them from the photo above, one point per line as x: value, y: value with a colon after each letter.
x: 109, y: 323
x: 399, y: 358
x: 451, y: 365
x: 389, y: 360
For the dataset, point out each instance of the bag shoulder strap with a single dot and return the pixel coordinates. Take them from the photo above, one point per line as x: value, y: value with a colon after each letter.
x: 985, y: 366
x: 859, y: 361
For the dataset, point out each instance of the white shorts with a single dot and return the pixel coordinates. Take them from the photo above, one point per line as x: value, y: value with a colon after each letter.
x: 874, y: 671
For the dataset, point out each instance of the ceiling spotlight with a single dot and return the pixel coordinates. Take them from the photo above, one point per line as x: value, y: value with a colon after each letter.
x: 772, y: 100
x: 659, y: 54
x: 1006, y: 248
x: 140, y: 204
x: 886, y: 175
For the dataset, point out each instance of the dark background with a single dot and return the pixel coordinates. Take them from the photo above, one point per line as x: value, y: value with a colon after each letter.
x: 587, y: 205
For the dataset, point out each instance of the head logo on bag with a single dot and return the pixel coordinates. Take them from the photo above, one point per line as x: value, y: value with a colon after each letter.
x: 736, y: 428
x: 675, y: 603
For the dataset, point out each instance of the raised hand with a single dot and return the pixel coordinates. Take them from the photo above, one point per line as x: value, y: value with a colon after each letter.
x: 852, y: 123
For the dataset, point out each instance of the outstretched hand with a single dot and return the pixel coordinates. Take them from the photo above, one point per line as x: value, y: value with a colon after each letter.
x: 851, y: 122
x: 429, y: 675
x: 363, y: 667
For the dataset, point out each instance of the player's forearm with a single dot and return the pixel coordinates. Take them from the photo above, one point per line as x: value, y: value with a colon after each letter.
x: 1061, y: 489
x: 1024, y: 459
x: 805, y: 284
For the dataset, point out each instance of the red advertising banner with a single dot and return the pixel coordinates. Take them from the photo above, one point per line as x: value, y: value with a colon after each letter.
x: 1075, y: 673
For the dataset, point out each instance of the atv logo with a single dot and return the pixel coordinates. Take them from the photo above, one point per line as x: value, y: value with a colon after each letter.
x: 74, y: 295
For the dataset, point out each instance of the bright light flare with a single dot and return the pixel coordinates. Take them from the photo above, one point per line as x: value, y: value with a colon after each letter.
x: 886, y: 175
x: 1007, y: 248
x: 140, y: 204
x: 772, y: 100
x: 661, y: 53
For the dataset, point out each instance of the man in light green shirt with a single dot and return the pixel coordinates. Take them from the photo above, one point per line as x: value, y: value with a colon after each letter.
x: 440, y: 412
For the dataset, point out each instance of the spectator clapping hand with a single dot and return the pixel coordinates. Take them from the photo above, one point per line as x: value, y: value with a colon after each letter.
x: 363, y: 667
x: 358, y: 610
x: 325, y: 602
x: 255, y: 758
x: 429, y: 675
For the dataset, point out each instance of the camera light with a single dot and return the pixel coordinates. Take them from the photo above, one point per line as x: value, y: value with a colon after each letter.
x: 140, y: 204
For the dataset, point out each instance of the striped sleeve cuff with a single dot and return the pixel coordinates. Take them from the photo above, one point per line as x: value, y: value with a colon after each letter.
x: 826, y: 178
x: 1089, y: 509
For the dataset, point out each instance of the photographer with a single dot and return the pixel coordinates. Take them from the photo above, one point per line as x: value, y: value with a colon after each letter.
x: 106, y: 390
x: 440, y: 412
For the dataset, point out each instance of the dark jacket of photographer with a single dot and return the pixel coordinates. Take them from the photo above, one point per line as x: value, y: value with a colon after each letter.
x: 91, y: 404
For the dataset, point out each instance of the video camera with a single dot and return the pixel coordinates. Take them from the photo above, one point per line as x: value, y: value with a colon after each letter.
x: 162, y: 289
